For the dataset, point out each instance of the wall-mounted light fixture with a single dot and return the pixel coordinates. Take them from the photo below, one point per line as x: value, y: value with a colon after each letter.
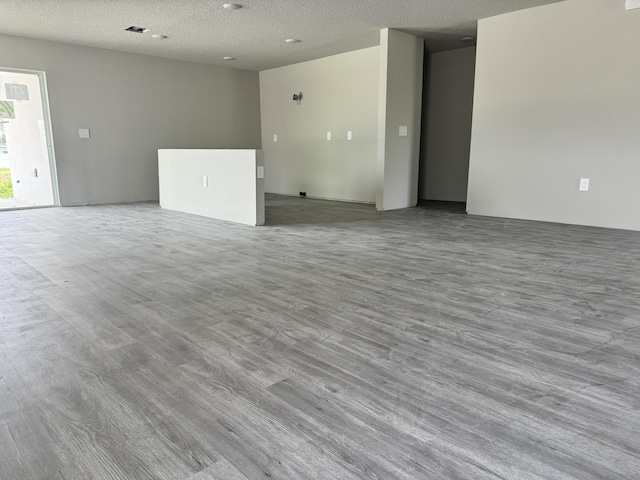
x: 297, y: 97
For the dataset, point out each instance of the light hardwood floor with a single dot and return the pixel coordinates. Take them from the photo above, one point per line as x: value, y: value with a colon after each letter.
x: 334, y: 343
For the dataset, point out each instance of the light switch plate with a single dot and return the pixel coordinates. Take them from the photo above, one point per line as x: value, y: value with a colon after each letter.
x: 84, y: 133
x: 402, y: 131
x: 275, y: 138
x: 260, y: 171
x: 328, y: 135
x: 205, y: 181
x: 349, y: 135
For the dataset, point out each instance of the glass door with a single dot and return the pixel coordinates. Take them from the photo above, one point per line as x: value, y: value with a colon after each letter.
x: 27, y: 167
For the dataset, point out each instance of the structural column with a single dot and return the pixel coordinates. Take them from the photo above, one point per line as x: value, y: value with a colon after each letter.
x: 399, y: 115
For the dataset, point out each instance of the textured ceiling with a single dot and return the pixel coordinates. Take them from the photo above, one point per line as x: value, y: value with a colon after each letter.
x: 202, y: 31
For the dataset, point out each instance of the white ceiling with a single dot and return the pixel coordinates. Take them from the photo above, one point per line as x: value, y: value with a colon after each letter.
x: 202, y: 31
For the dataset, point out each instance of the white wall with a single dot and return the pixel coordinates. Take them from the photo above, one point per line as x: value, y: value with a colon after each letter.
x: 134, y: 105
x: 557, y: 97
x: 340, y: 93
x: 233, y: 191
x: 446, y: 126
x: 399, y: 104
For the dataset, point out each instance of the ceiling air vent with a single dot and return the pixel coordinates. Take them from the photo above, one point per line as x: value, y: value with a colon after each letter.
x: 137, y: 29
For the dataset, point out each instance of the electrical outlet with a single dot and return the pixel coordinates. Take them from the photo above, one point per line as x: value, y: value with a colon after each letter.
x: 84, y: 133
x: 584, y: 184
x: 328, y: 135
x: 275, y: 139
x: 205, y: 181
x: 260, y: 171
x: 403, y: 131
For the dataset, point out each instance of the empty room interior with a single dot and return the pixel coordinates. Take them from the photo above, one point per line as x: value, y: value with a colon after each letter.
x: 320, y: 240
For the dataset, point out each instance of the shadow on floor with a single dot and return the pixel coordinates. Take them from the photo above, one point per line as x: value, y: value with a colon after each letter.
x: 448, y: 207
x: 286, y: 210
x: 289, y: 210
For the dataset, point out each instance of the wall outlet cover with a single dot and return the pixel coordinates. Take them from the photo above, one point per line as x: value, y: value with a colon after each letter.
x: 84, y: 133
x: 260, y: 171
x: 632, y: 4
x: 584, y: 184
x: 403, y: 131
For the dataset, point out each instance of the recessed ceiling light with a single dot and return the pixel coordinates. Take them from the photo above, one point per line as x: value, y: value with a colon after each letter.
x: 232, y: 6
x: 159, y: 36
x: 137, y: 29
x: 468, y: 39
x: 292, y: 40
x: 228, y: 58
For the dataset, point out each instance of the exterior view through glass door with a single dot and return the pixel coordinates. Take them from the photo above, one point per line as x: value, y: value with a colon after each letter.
x: 27, y: 168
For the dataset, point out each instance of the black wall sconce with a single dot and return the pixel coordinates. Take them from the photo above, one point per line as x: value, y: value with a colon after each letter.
x: 297, y: 97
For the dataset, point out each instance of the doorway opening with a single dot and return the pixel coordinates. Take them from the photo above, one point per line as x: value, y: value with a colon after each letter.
x: 27, y: 165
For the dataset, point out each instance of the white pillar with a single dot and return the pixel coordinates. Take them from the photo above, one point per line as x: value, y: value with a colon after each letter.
x: 399, y: 106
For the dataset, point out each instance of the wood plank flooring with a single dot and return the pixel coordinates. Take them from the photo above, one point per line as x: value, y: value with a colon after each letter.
x: 336, y: 342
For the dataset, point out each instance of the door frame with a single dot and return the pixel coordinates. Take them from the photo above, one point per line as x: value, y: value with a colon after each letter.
x: 44, y: 95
